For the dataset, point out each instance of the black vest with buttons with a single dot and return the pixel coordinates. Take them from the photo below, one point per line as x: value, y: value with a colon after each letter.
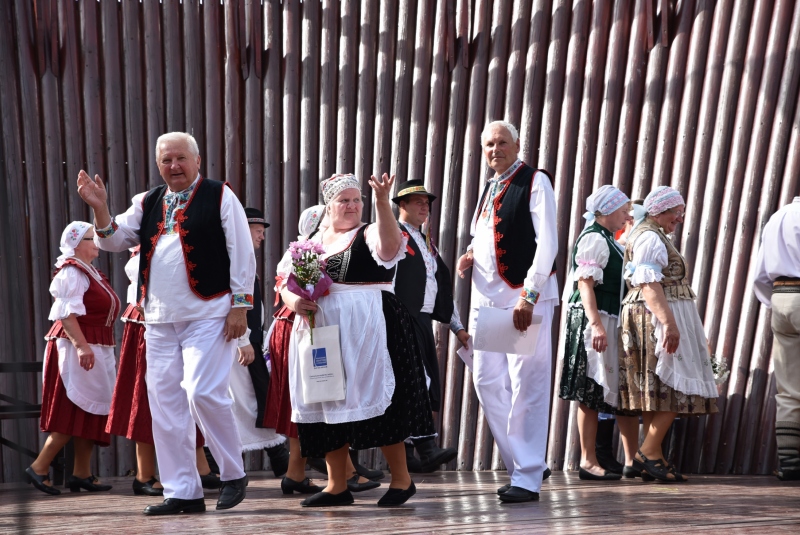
x: 199, y: 227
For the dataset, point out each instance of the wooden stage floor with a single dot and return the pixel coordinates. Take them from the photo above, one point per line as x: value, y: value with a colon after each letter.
x: 447, y: 502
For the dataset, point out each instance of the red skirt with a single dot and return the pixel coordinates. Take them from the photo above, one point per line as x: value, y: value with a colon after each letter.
x: 59, y: 414
x: 130, y: 409
x: 278, y: 414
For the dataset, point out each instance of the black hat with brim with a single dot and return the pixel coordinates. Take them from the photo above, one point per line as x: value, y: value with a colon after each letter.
x: 412, y: 187
x: 255, y: 217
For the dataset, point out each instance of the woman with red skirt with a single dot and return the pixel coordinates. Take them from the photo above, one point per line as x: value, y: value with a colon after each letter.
x: 79, y: 364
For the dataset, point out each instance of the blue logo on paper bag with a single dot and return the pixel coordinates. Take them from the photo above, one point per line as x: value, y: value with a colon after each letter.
x: 320, y: 358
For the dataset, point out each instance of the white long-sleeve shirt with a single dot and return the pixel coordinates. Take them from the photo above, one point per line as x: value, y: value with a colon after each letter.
x: 779, y: 253
x: 169, y: 297
x: 489, y: 288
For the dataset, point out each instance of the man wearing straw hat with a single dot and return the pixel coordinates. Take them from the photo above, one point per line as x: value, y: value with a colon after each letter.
x: 196, y: 284
x: 513, y: 253
x: 424, y: 286
x: 777, y: 286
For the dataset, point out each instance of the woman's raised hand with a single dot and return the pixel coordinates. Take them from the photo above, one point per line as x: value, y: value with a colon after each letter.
x: 381, y: 186
x: 93, y: 192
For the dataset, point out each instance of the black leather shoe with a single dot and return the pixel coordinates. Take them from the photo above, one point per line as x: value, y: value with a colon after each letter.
x: 432, y: 456
x: 38, y: 481
x: 363, y: 471
x: 518, y: 494
x: 547, y: 473
x: 629, y: 472
x: 504, y: 488
x: 174, y: 506
x: 232, y: 493
x: 278, y: 459
x: 325, y: 499
x: 607, y: 476
x: 290, y: 486
x: 397, y: 496
x: 414, y: 465
x: 318, y: 464
x: 147, y: 489
x: 354, y: 486
x: 75, y: 484
x: 210, y: 481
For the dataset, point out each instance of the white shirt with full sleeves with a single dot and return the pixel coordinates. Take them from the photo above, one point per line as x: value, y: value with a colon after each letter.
x: 779, y: 253
x: 169, y: 297
x: 91, y: 390
x: 650, y: 257
x: 492, y: 290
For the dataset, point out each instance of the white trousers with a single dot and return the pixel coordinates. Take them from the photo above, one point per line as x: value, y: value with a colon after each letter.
x: 188, y: 371
x: 514, y: 391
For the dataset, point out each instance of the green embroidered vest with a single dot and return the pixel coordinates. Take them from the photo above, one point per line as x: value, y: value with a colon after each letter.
x: 609, y: 294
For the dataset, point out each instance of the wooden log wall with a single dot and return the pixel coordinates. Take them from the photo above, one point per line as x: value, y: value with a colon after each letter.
x: 698, y: 94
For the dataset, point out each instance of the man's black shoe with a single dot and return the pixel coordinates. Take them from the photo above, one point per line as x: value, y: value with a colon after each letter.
x: 518, y: 494
x: 174, y: 506
x: 232, y: 493
x: 432, y: 456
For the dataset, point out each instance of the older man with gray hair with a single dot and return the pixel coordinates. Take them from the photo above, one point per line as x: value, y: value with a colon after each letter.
x: 195, y: 284
x: 513, y: 253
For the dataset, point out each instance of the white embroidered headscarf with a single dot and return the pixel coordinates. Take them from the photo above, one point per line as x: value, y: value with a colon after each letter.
x: 606, y: 200
x: 311, y: 219
x: 70, y: 239
x: 337, y: 184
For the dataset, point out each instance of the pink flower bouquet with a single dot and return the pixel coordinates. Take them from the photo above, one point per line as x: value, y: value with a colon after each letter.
x: 308, y: 278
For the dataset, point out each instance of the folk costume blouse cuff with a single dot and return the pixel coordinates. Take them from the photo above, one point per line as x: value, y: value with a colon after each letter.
x: 371, y: 237
x: 591, y: 258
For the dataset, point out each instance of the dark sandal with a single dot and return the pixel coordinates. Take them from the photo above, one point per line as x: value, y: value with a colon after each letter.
x: 656, y: 468
x: 678, y: 477
x: 38, y: 481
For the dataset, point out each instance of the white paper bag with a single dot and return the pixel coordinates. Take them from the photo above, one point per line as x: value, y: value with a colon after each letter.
x: 495, y: 332
x: 321, y: 367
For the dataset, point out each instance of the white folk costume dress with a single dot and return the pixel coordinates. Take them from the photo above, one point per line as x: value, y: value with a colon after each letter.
x: 197, y: 262
x: 386, y: 400
x: 590, y: 377
x: 76, y: 401
x: 514, y: 244
x: 650, y: 378
x: 249, y: 402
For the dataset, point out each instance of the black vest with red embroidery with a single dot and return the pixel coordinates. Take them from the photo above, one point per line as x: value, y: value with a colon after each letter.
x: 514, y: 235
x: 199, y: 227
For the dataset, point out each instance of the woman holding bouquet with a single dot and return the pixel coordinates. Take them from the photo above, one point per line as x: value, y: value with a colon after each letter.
x: 386, y: 398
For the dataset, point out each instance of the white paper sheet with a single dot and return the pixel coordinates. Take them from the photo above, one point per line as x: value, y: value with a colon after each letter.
x: 466, y: 353
x: 495, y: 332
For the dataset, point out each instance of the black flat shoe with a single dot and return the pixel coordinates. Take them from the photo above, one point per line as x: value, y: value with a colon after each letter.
x: 290, y: 486
x: 607, y: 476
x: 397, y: 496
x: 210, y: 481
x: 174, y: 506
x: 354, y: 486
x: 504, y: 488
x: 547, y: 473
x: 147, y: 489
x: 232, y: 493
x: 518, y: 495
x: 75, y: 484
x: 38, y: 481
x: 363, y: 471
x: 630, y: 472
x: 325, y: 499
x: 278, y: 459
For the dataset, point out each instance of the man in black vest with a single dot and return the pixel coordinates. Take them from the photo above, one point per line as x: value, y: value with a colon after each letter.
x: 423, y: 284
x: 513, y: 253
x: 195, y: 284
